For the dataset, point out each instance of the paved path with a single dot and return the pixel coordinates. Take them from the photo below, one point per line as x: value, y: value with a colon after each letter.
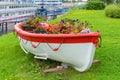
x: 10, y: 28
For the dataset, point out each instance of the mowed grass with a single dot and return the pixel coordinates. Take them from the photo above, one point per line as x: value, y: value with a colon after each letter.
x: 16, y: 65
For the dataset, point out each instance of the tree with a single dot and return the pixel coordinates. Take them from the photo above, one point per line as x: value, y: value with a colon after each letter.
x: 115, y: 1
x: 111, y: 1
x: 108, y: 1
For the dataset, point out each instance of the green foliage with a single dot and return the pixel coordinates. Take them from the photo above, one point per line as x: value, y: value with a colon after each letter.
x: 110, y: 1
x: 105, y: 1
x: 113, y: 11
x: 95, y: 5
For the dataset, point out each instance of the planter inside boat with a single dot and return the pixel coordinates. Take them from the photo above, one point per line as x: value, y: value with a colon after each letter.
x: 76, y: 50
x: 27, y: 28
x: 39, y: 31
x: 65, y: 26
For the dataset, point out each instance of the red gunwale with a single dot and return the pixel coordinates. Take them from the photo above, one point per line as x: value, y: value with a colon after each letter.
x: 57, y: 38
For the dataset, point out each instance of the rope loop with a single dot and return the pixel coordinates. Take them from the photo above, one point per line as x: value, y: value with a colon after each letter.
x: 24, y: 42
x: 19, y: 39
x: 55, y: 49
x: 99, y: 41
x: 14, y: 33
x: 35, y: 46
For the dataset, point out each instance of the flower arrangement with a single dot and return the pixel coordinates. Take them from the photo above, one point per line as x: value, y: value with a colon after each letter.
x: 65, y: 26
x: 69, y: 26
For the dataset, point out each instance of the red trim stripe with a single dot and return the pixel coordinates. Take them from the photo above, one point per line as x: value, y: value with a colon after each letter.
x: 57, y: 38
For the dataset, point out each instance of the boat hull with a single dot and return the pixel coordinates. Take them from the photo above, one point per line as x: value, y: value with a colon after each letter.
x: 78, y: 52
x: 79, y: 55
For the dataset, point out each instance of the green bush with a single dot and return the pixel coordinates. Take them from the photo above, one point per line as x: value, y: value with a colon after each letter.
x: 113, y: 11
x: 107, y: 1
x: 95, y: 5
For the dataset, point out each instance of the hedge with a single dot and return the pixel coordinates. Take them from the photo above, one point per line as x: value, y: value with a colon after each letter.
x: 95, y: 5
x: 113, y: 11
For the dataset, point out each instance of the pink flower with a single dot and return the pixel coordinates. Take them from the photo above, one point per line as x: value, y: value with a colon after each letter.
x: 38, y: 24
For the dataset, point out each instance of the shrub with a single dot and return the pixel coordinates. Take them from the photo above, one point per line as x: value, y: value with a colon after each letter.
x: 95, y: 5
x: 112, y: 11
x: 105, y: 1
x: 108, y: 1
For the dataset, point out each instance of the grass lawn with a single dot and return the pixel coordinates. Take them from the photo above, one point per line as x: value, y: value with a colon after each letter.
x: 16, y: 65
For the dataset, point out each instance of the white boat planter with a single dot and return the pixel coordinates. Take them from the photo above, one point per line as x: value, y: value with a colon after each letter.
x: 77, y: 50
